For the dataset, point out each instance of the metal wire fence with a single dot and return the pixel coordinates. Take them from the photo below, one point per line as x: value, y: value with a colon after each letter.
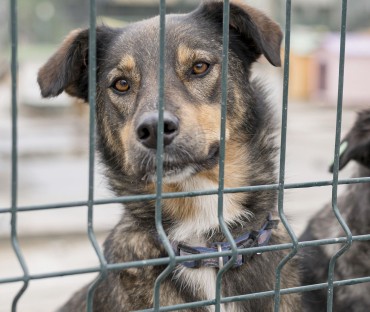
x: 172, y: 260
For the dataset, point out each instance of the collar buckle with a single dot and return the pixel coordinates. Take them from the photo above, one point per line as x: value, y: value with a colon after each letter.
x: 220, y: 259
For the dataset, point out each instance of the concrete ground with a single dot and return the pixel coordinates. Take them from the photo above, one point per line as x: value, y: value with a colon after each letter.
x: 53, y: 168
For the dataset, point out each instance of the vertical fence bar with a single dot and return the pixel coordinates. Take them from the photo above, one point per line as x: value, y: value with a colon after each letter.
x: 221, y: 174
x: 341, y: 221
x: 14, y: 175
x: 92, y: 103
x: 159, y: 157
x: 284, y: 123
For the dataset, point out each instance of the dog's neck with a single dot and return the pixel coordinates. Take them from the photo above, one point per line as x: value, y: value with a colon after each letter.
x: 196, y: 218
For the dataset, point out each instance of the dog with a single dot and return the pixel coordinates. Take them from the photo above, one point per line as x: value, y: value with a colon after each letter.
x: 127, y: 120
x: 354, y: 205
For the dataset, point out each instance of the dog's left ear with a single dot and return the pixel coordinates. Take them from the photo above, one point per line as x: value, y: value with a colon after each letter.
x: 262, y: 34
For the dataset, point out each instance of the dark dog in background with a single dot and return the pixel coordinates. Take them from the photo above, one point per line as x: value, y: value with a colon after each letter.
x: 354, y: 205
x: 127, y: 118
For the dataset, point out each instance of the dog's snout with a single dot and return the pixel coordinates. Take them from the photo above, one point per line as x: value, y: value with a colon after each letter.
x: 146, y: 130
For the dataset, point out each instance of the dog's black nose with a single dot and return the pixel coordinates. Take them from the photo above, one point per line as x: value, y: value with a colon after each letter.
x: 146, y: 130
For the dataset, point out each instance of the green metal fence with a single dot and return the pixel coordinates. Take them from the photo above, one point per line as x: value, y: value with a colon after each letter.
x: 172, y: 260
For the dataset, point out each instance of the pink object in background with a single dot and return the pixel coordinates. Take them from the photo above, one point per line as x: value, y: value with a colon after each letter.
x: 356, y: 73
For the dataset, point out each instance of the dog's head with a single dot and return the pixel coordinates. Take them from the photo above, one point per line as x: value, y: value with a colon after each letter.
x: 127, y: 87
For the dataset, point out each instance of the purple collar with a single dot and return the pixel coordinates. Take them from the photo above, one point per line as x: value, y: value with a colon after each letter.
x: 247, y: 240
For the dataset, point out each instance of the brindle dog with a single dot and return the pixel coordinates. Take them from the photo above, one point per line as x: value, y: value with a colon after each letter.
x: 127, y: 119
x: 354, y: 206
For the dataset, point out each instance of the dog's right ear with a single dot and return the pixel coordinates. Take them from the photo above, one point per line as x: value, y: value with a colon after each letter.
x: 67, y: 69
x: 356, y: 144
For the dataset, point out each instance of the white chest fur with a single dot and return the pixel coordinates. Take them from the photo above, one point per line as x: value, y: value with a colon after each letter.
x: 202, y: 281
x: 205, y: 215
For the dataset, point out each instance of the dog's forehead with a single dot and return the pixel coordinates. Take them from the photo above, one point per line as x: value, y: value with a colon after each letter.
x: 141, y: 39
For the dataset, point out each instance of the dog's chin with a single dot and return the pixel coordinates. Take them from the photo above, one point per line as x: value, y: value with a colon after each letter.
x: 178, y: 172
x: 175, y: 175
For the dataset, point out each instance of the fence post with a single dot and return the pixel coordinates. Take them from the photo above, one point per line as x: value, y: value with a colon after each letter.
x: 284, y: 125
x: 341, y: 221
x: 14, y: 176
x: 159, y: 158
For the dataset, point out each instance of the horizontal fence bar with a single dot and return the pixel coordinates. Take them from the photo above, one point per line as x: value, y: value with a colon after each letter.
x: 180, y: 259
x: 259, y: 295
x: 252, y: 296
x: 135, y: 198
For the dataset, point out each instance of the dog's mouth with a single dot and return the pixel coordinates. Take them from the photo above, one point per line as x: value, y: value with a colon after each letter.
x: 176, y: 168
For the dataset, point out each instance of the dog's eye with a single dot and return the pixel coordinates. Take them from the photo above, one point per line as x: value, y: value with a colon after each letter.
x: 121, y: 85
x: 200, y: 68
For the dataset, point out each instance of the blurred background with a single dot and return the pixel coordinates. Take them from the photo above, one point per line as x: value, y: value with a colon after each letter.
x: 53, y: 134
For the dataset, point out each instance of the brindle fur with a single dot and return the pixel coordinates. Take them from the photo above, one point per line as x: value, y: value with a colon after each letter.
x: 354, y: 207
x: 191, y: 160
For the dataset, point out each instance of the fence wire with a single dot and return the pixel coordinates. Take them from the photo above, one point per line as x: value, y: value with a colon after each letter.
x: 171, y: 261
x: 284, y: 126
x: 14, y: 175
